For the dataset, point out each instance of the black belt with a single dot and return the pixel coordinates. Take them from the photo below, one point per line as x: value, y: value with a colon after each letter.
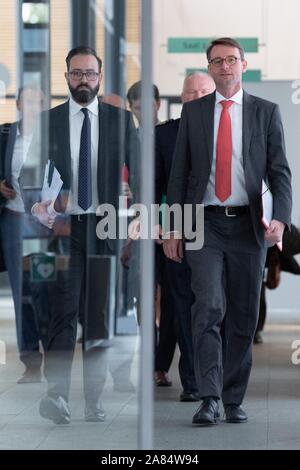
x: 229, y: 211
x: 10, y: 211
x: 81, y: 218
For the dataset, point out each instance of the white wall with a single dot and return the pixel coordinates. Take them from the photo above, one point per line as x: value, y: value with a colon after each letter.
x: 274, y: 22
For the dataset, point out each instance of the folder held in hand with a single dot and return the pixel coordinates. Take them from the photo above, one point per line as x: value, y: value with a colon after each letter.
x: 52, y: 185
x: 267, y: 208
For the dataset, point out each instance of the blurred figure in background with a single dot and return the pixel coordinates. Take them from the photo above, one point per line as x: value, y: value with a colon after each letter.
x: 276, y: 262
x: 15, y: 139
x: 114, y: 100
x: 134, y: 97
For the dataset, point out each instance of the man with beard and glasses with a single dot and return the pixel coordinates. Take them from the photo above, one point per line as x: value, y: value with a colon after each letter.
x: 84, y: 141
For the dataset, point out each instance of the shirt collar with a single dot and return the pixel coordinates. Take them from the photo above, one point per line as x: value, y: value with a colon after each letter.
x: 237, y: 98
x: 76, y: 108
x: 20, y: 134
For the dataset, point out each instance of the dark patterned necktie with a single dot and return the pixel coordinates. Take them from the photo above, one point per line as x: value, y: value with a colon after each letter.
x: 85, y: 168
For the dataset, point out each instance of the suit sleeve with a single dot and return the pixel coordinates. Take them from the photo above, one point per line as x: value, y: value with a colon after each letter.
x: 132, y: 157
x: 160, y: 174
x: 279, y: 174
x: 1, y: 156
x: 180, y: 167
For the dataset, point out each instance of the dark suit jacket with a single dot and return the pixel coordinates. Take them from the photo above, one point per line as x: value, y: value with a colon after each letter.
x: 8, y: 133
x: 291, y: 247
x: 263, y: 155
x: 165, y: 139
x: 114, y: 149
x: 118, y: 143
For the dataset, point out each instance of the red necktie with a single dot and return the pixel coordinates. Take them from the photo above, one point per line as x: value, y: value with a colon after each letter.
x: 224, y: 154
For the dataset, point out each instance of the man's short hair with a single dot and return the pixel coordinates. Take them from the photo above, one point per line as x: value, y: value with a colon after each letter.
x: 135, y: 92
x: 225, y: 42
x: 20, y: 91
x: 82, y: 50
x: 30, y: 86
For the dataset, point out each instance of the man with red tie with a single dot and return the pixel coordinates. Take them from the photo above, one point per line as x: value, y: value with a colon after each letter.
x: 228, y: 142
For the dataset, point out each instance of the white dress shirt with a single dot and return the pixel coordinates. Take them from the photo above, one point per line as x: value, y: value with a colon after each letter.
x: 76, y: 118
x: 238, y: 195
x: 20, y: 153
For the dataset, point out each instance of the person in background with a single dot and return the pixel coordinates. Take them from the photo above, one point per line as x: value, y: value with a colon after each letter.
x: 114, y: 100
x: 276, y: 262
x: 134, y: 97
x: 15, y: 139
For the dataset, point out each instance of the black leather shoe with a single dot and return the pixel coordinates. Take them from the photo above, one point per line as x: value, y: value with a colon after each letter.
x: 31, y: 376
x: 94, y: 413
x: 258, y: 339
x: 208, y: 413
x: 162, y: 379
x: 189, y: 396
x: 235, y: 414
x: 56, y: 409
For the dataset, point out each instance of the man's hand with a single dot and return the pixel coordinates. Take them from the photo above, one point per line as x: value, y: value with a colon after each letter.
x: 40, y: 210
x: 274, y: 233
x: 6, y: 191
x: 126, y: 254
x: 157, y: 234
x: 134, y: 229
x: 62, y: 227
x: 126, y: 191
x: 173, y: 248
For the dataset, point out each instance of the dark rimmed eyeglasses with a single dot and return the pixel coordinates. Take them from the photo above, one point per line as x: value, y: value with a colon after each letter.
x: 91, y: 75
x: 229, y: 60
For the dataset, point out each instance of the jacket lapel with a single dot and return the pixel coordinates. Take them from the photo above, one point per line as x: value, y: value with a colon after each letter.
x: 208, y: 110
x: 10, y: 150
x: 62, y: 130
x: 61, y: 153
x: 103, y: 134
x: 249, y: 111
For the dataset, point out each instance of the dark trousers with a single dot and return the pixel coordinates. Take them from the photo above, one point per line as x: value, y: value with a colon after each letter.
x: 262, y: 309
x: 226, y: 276
x: 35, y: 321
x: 64, y: 317
x: 178, y: 278
x: 11, y: 229
x: 30, y: 299
x: 166, y: 337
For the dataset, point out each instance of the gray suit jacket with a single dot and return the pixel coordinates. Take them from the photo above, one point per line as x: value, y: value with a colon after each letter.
x: 263, y: 155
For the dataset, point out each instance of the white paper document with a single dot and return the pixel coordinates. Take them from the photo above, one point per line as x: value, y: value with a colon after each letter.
x: 51, y: 186
x: 267, y: 208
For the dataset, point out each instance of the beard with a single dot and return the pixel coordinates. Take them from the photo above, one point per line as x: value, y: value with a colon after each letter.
x: 84, y: 96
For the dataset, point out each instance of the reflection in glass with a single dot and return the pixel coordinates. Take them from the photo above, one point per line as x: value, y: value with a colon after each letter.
x: 68, y: 290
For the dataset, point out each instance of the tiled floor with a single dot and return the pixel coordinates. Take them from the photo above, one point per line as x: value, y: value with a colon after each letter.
x: 21, y: 427
x: 272, y: 403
